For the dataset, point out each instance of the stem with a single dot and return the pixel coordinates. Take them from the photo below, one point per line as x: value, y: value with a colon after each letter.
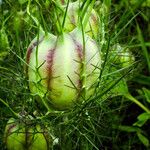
x: 130, y: 97
x: 46, y: 105
x: 13, y: 112
x: 37, y: 47
x: 34, y: 18
x: 85, y: 13
x: 104, y: 20
x: 50, y: 114
x: 58, y: 23
x: 83, y: 71
x: 88, y: 13
x: 63, y: 24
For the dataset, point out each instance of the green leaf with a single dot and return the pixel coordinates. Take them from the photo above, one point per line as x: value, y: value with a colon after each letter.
x: 129, y: 129
x: 121, y: 88
x: 147, y: 94
x: 4, y: 43
x: 144, y: 48
x: 142, y: 118
x: 143, y: 139
x: 130, y: 97
x: 22, y: 1
x: 142, y: 79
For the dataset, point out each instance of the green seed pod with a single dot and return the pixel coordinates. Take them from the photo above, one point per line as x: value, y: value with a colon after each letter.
x: 72, y: 19
x: 4, y: 44
x: 122, y: 56
x: 14, y: 137
x: 63, y: 68
x: 21, y: 21
x: 17, y: 136
x: 18, y: 21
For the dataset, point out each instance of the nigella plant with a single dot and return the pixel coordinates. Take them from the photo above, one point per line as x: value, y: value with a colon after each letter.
x: 62, y: 69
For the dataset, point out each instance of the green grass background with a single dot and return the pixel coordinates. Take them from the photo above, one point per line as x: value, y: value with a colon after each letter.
x: 106, y: 122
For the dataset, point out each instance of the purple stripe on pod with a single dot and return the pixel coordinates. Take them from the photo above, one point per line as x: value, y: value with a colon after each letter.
x: 62, y: 2
x: 30, y: 50
x: 79, y: 50
x: 9, y: 131
x: 94, y: 18
x: 49, y: 60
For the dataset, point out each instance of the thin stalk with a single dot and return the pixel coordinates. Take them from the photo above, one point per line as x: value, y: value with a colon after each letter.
x: 104, y: 20
x: 123, y: 28
x: 6, y: 69
x: 45, y: 104
x: 13, y: 112
x: 83, y: 71
x: 144, y: 48
x: 107, y: 90
x: 33, y: 18
x: 104, y: 64
x: 88, y: 10
x: 85, y: 13
x: 130, y: 97
x: 37, y: 47
x: 43, y: 20
x: 58, y: 22
x: 63, y: 24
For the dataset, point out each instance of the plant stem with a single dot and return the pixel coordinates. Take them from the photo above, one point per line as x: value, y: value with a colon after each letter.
x: 85, y: 13
x: 33, y: 18
x: 46, y: 105
x: 13, y: 112
x: 63, y: 24
x: 130, y: 97
x: 83, y: 71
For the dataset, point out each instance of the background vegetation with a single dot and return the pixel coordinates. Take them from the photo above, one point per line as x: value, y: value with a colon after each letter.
x: 119, y: 116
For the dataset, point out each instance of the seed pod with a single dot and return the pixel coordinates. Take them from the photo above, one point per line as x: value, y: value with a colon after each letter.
x: 4, y: 43
x: 20, y: 137
x: 61, y: 68
x: 72, y: 19
x: 18, y: 22
x: 122, y: 56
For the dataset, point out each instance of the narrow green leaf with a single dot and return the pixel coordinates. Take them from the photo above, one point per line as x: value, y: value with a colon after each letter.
x: 147, y: 94
x: 129, y: 128
x: 130, y: 97
x: 143, y: 139
x: 142, y: 118
x: 142, y: 79
x: 144, y: 48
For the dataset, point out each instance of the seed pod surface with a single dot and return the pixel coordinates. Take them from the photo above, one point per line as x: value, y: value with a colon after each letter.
x: 61, y: 68
x: 18, y: 136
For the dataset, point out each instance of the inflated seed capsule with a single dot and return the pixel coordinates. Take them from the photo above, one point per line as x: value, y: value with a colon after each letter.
x: 18, y: 136
x: 72, y: 19
x: 122, y: 55
x: 55, y: 69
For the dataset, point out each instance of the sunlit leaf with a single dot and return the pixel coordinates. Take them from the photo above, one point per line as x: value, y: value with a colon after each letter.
x: 142, y: 118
